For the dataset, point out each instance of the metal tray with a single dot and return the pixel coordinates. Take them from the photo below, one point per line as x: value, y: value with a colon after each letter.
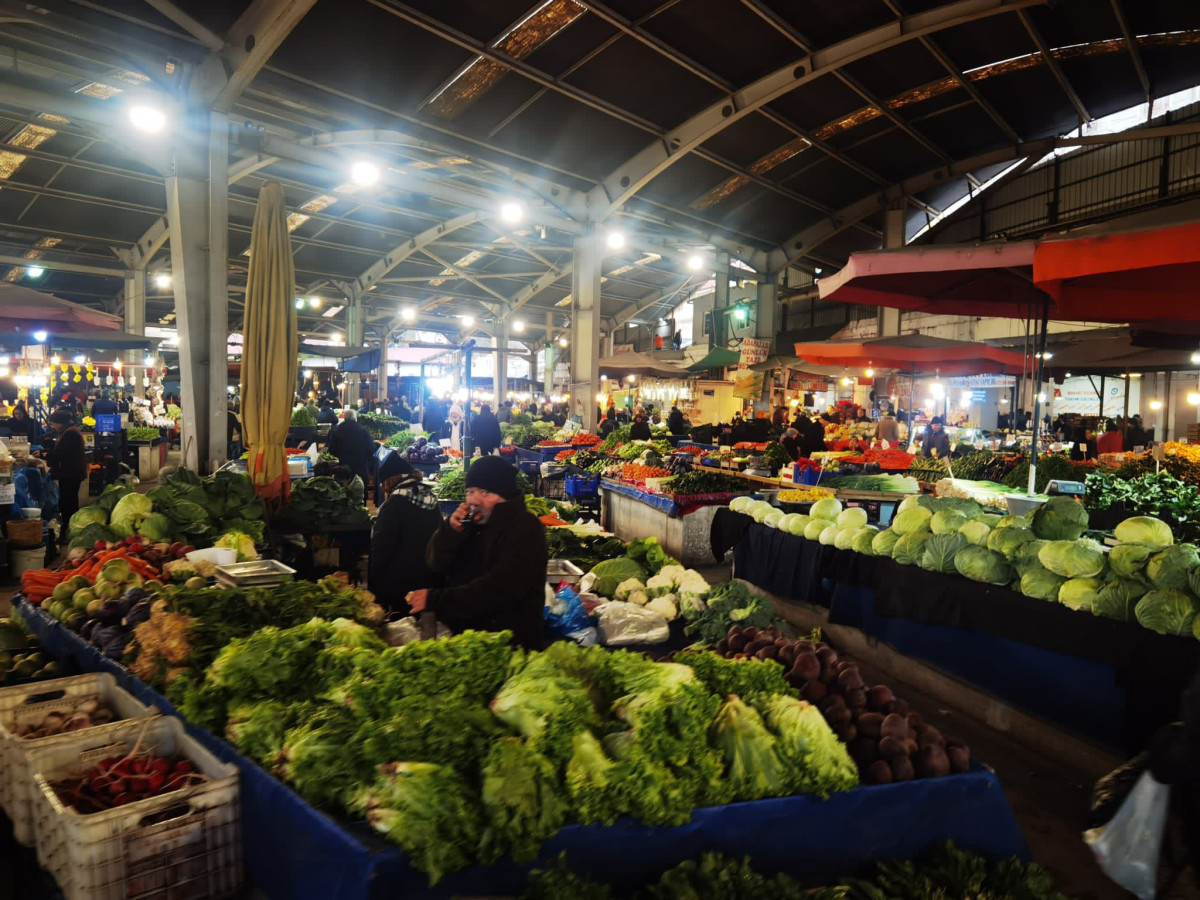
x: 259, y: 571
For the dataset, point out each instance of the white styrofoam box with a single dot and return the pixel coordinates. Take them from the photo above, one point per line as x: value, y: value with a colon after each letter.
x: 183, y: 844
x: 29, y: 703
x: 219, y: 556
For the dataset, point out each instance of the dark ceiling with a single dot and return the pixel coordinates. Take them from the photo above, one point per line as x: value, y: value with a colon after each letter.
x: 564, y: 93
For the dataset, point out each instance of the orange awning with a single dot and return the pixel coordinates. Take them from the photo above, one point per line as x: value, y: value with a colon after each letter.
x: 917, y: 352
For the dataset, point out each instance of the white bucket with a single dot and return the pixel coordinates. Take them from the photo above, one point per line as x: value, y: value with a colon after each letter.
x: 21, y: 561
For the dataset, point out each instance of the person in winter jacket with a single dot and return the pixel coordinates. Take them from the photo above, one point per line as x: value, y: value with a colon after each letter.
x: 485, y: 430
x: 675, y: 423
x: 68, y: 463
x: 493, y: 554
x: 935, y: 439
x: 353, y: 445
x: 453, y: 429
x: 406, y: 521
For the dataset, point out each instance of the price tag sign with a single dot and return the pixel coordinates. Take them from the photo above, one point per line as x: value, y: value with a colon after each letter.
x: 885, y: 445
x: 1159, y: 453
x: 979, y: 445
x: 8, y: 493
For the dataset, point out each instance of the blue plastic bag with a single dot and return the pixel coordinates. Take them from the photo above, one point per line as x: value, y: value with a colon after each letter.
x: 566, y: 615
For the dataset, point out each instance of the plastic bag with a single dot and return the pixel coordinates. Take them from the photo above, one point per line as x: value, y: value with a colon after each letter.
x: 565, y: 615
x: 406, y: 630
x: 1127, y: 848
x: 622, y: 624
x: 1110, y: 791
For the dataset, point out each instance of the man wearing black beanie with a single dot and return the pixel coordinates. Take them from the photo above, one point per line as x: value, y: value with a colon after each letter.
x: 493, y: 554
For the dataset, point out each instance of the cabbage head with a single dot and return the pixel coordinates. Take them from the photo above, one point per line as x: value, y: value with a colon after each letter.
x: 844, y: 537
x: 940, y: 550
x: 611, y: 572
x: 828, y: 536
x: 242, y: 543
x: 156, y: 527
x: 1041, y: 584
x: 738, y: 504
x: 1012, y: 522
x: 89, y: 515
x: 854, y: 517
x: 885, y: 542
x: 826, y: 508
x: 1060, y: 519
x: 1005, y: 541
x: 1129, y: 560
x: 127, y: 515
x: 1144, y: 530
x: 771, y: 519
x: 798, y: 524
x: 1169, y: 568
x: 812, y: 531
x: 912, y: 501
x: 975, y: 532
x: 982, y: 564
x: 947, y: 521
x: 863, y: 540
x: 1025, y: 557
x: 1073, y: 559
x: 1167, y: 612
x: 965, y: 506
x: 914, y: 519
x: 991, y: 520
x: 760, y: 510
x: 910, y: 549
x: 1118, y: 598
x: 1080, y: 593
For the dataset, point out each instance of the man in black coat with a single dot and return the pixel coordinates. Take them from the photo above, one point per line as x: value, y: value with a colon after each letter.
x: 68, y: 463
x: 493, y: 554
x: 675, y: 423
x: 485, y: 430
x: 406, y: 521
x: 353, y: 445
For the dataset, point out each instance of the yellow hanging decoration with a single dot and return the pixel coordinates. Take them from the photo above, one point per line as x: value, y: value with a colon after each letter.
x: 76, y: 379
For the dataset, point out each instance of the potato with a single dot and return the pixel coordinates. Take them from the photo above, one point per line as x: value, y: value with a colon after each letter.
x: 890, y: 747
x: 930, y: 735
x: 814, y: 691
x: 879, y: 696
x: 846, y: 733
x: 879, y: 772
x: 807, y: 666
x: 850, y: 679
x: 870, y: 724
x: 894, y: 726
x: 856, y: 699
x: 902, y: 768
x: 959, y: 757
x: 932, y: 762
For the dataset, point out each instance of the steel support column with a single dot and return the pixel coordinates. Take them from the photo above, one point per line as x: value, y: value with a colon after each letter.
x: 354, y: 339
x: 135, y: 322
x: 500, y: 374
x: 585, y: 328
x: 196, y: 212
x: 548, y: 355
x: 381, y: 395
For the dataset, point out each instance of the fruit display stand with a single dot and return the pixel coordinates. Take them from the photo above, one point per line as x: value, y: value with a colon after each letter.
x: 300, y: 852
x: 1113, y: 683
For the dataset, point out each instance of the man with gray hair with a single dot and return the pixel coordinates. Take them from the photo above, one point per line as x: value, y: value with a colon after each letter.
x: 353, y: 445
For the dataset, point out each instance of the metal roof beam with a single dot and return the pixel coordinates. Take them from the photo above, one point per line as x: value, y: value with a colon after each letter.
x: 200, y: 32
x: 375, y: 273
x: 465, y: 276
x: 651, y: 161
x: 1055, y: 68
x: 53, y: 265
x: 1135, y: 52
x: 641, y: 305
x: 253, y: 40
x: 527, y: 293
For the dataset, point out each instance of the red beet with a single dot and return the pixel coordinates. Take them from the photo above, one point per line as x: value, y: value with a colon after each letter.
x: 807, y: 666
x: 879, y: 772
x: 870, y: 724
x: 894, y: 726
x: 890, y: 747
x: 932, y: 762
x: 878, y: 696
x: 960, y: 758
x: 902, y: 768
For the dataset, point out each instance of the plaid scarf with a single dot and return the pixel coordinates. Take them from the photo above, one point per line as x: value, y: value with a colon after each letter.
x: 417, y: 495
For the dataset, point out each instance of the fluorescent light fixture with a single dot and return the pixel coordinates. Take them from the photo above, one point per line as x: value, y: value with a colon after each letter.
x: 80, y: 359
x: 929, y: 402
x: 308, y: 374
x: 615, y: 240
x: 740, y: 313
x: 1196, y: 357
x: 518, y: 325
x: 937, y: 389
x: 562, y: 341
x: 34, y: 271
x: 695, y: 262
x: 40, y: 336
x: 468, y: 321
x: 847, y: 381
x: 408, y: 314
x: 600, y: 398
x: 314, y: 302
x: 365, y: 173
x: 1156, y: 404
x: 55, y: 359
x: 631, y: 378
x: 1042, y: 397
x: 1193, y: 398
x: 511, y: 212
x: 147, y: 119
x: 162, y: 281
x: 149, y: 361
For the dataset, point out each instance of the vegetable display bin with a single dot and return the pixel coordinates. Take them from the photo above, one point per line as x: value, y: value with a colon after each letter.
x: 182, y: 844
x: 31, y: 703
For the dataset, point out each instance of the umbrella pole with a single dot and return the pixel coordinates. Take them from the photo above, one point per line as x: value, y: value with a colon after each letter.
x: 912, y: 394
x: 1037, y: 393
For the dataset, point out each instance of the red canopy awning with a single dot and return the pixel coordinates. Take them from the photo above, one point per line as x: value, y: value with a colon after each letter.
x: 993, y: 279
x: 1150, y: 276
x: 915, y: 352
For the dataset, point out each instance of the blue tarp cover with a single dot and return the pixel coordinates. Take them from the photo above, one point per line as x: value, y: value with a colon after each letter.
x: 656, y: 501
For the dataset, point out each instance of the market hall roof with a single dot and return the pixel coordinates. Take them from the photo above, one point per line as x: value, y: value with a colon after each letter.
x: 775, y: 131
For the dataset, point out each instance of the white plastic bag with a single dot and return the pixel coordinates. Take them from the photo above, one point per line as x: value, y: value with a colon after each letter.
x: 622, y: 624
x: 1127, y: 848
x: 406, y: 630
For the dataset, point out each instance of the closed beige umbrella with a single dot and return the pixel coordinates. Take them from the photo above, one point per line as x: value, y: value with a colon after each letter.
x: 269, y: 357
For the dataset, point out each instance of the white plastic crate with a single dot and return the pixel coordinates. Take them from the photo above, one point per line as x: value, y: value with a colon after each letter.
x: 25, y: 703
x: 183, y: 845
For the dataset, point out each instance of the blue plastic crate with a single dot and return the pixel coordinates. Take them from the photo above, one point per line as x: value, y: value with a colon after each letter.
x: 107, y: 424
x: 583, y: 487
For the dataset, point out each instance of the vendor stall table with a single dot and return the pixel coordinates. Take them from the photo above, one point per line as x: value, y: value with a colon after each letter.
x: 632, y: 513
x: 294, y: 851
x: 1113, y: 682
x: 540, y: 454
x: 755, y: 479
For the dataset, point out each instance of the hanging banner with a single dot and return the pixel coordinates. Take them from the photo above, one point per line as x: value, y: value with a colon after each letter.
x: 748, y: 385
x: 982, y: 381
x: 754, y: 351
x: 802, y: 382
x: 1081, y: 396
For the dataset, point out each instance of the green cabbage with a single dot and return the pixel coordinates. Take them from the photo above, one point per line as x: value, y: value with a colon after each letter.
x: 1060, y: 519
x: 1169, y: 568
x: 826, y: 508
x: 1167, y: 612
x: 1012, y: 522
x: 1118, y: 598
x: 156, y: 527
x: 1005, y: 541
x: 771, y: 519
x: 242, y: 543
x: 884, y: 542
x: 844, y: 537
x: 1025, y: 557
x: 910, y: 549
x: 863, y: 540
x: 991, y: 520
x: 127, y: 515
x: 828, y: 536
x: 1144, y: 530
x: 812, y: 531
x: 89, y: 515
x: 855, y: 517
x: 965, y: 506
x: 1129, y: 560
x: 982, y: 564
x: 947, y: 521
x: 940, y: 550
x: 798, y: 524
x: 1073, y: 559
x: 1041, y: 584
x: 1080, y: 593
x: 976, y: 532
x: 611, y: 572
x: 910, y: 520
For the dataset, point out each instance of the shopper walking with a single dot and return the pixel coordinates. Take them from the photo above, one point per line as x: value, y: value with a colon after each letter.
x: 675, y: 421
x: 888, y: 429
x: 493, y: 554
x: 485, y: 430
x: 353, y: 446
x: 68, y: 464
x: 406, y: 521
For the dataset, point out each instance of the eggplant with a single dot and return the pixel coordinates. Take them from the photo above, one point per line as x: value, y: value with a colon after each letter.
x: 139, y: 613
x: 110, y: 613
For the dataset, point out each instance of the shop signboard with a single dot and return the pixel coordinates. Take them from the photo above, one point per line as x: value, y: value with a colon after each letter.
x: 748, y: 384
x: 802, y: 382
x: 754, y: 351
x: 982, y: 381
x: 1081, y: 396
